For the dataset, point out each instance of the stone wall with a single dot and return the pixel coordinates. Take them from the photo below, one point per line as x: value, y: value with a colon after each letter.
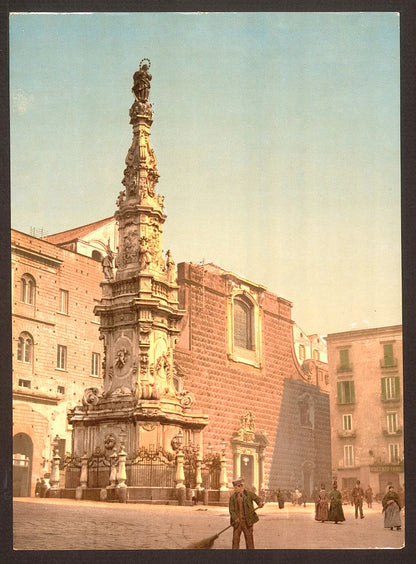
x: 301, y: 449
x: 225, y: 389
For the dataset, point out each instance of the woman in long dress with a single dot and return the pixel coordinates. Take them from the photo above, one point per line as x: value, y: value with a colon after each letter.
x: 391, y: 510
x: 321, y: 505
x: 336, y: 512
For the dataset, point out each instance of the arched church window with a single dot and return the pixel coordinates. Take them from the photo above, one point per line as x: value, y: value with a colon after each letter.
x: 243, y: 324
x: 27, y: 289
x: 25, y: 348
x: 96, y: 255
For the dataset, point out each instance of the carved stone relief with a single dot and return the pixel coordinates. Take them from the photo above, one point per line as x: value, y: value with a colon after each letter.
x: 131, y: 244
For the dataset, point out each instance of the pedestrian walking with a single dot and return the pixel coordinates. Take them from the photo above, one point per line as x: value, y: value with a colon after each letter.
x: 242, y: 513
x: 369, y: 497
x: 336, y: 512
x: 357, y: 496
x: 322, y: 505
x: 280, y: 498
x: 391, y: 510
x: 37, y: 487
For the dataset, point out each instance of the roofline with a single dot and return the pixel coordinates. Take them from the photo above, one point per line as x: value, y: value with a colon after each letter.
x: 364, y: 332
x: 80, y: 227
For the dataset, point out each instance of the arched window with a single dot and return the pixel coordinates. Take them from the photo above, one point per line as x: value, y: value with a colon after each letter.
x: 316, y: 355
x: 27, y: 289
x: 243, y: 324
x: 25, y: 348
x: 96, y: 255
x: 302, y: 354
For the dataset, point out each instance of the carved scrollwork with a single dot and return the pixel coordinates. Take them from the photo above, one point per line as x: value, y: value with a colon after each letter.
x: 186, y: 399
x: 91, y: 396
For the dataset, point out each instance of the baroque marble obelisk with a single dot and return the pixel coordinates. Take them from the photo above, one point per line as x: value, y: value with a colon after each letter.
x: 142, y: 403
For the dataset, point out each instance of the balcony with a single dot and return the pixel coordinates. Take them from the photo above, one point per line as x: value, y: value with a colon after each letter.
x: 397, y: 433
x: 346, y: 434
x: 344, y: 369
x: 390, y: 364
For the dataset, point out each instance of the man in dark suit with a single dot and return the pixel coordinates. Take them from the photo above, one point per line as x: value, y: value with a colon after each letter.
x: 357, y: 497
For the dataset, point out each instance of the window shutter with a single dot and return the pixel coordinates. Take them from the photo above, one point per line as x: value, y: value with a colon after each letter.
x: 397, y: 387
x: 388, y: 355
x: 352, y: 392
x: 344, y: 358
x: 339, y: 392
x: 383, y: 388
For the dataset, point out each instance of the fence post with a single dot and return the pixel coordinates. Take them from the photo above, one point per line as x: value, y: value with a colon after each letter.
x: 198, y: 475
x: 223, y: 479
x: 113, y: 469
x: 54, y: 479
x: 180, y: 477
x: 83, y: 479
x: 122, y: 476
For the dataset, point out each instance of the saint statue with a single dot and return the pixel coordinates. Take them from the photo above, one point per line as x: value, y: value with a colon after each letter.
x: 142, y: 80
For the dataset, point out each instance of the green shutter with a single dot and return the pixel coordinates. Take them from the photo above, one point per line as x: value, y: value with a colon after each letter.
x: 397, y: 387
x: 339, y: 392
x: 344, y: 358
x: 352, y: 393
x: 388, y: 355
x: 383, y: 388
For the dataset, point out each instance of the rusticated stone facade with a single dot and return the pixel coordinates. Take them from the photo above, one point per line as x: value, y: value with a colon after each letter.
x: 263, y: 379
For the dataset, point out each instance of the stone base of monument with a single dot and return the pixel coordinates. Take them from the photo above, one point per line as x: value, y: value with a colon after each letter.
x: 148, y: 495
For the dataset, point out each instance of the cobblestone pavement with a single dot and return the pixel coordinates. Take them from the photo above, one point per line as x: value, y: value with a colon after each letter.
x: 55, y: 524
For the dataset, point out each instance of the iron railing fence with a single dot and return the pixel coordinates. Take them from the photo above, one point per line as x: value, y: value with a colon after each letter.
x: 151, y: 468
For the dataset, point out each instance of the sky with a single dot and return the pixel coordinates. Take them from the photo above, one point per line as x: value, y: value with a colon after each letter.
x: 277, y: 137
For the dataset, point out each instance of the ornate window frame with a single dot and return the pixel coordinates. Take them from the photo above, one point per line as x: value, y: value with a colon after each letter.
x: 27, y: 289
x: 25, y: 348
x: 251, y: 356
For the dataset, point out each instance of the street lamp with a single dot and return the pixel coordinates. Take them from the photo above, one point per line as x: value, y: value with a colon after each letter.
x: 180, y: 438
x: 223, y: 445
x: 55, y: 443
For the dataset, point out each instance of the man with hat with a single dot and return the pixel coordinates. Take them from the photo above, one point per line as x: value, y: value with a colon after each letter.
x: 357, y: 496
x: 242, y: 513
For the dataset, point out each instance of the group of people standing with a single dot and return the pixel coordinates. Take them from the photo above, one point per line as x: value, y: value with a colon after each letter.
x: 328, y: 507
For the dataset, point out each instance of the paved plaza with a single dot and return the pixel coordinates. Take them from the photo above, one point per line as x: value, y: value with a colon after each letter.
x: 55, y: 524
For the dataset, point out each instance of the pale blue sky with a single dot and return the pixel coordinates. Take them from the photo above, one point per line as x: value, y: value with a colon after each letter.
x: 277, y: 137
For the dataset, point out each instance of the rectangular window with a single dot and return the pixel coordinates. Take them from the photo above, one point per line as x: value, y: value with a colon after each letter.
x: 344, y: 359
x: 24, y: 383
x: 346, y: 392
x: 61, y: 357
x: 348, y: 456
x: 392, y: 422
x: 301, y: 352
x: 388, y: 355
x: 61, y: 390
x: 95, y: 364
x: 394, y: 453
x: 390, y: 388
x: 347, y: 422
x: 63, y: 301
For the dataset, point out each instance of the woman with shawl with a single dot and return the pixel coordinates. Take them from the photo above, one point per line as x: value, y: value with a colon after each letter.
x: 391, y: 510
x: 321, y: 505
x: 336, y: 512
